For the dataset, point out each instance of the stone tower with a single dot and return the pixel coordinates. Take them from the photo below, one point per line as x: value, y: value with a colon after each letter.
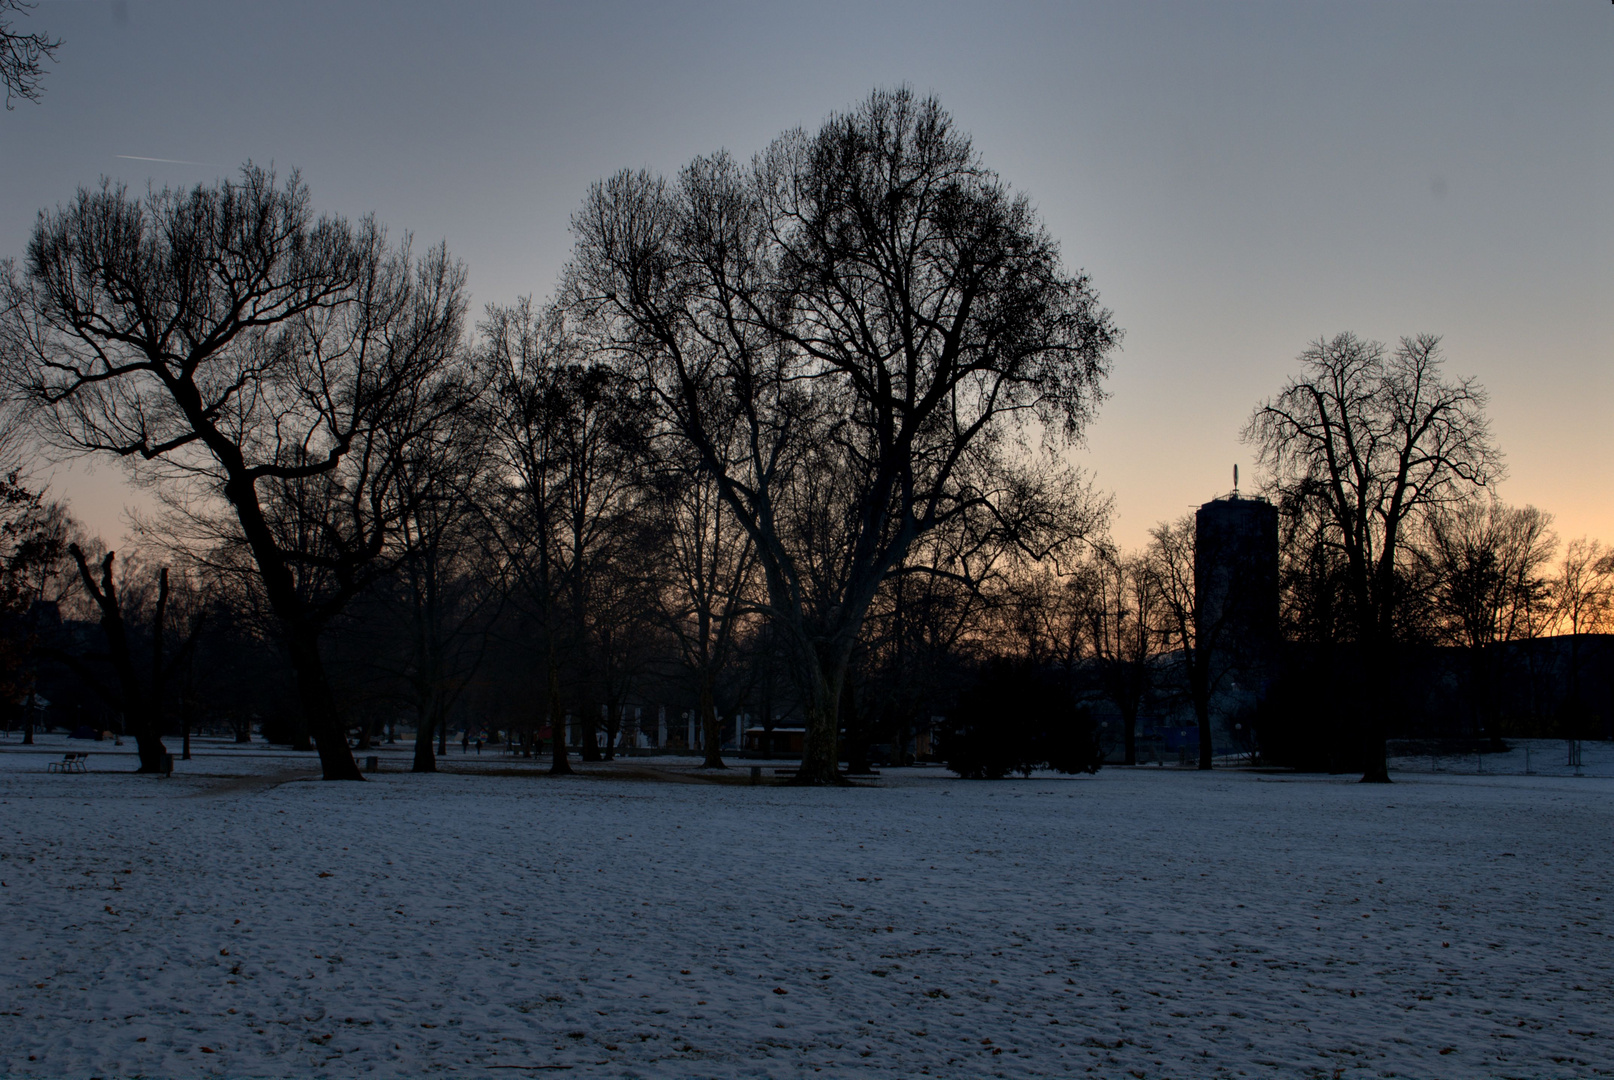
x: 1236, y: 592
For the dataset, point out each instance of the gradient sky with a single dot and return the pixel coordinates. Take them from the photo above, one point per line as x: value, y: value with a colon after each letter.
x: 1239, y: 179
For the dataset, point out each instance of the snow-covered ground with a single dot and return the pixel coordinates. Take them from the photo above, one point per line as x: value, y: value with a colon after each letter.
x: 241, y: 919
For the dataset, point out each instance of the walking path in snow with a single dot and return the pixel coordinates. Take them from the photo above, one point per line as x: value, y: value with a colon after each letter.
x: 1144, y: 922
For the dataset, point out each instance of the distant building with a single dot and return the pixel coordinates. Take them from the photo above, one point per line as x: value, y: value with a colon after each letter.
x: 1236, y: 586
x: 1236, y: 609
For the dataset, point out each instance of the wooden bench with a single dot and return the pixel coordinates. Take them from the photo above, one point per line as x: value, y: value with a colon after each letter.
x: 72, y: 761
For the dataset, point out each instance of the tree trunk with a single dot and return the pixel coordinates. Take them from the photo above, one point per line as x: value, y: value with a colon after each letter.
x: 141, y: 711
x: 558, y: 765
x: 148, y: 739
x: 712, y: 736
x: 426, y: 727
x: 1376, y: 760
x: 301, y: 635
x: 319, y: 709
x: 819, y: 764
x: 857, y: 739
x: 589, y: 732
x: 613, y: 729
x: 151, y: 753
x: 1129, y: 735
x: 820, y: 756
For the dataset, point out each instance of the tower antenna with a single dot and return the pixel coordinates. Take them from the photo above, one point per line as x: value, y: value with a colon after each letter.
x: 1235, y: 481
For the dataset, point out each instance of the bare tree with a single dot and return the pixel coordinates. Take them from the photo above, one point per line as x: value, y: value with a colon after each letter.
x: 1582, y: 603
x: 1121, y: 605
x: 603, y: 447
x: 1583, y: 589
x: 981, y: 586
x: 446, y: 589
x: 1041, y: 616
x: 1488, y: 566
x: 1487, y: 584
x: 878, y: 314
x: 569, y: 436
x: 707, y: 583
x: 1193, y: 634
x: 142, y: 700
x: 21, y: 54
x: 34, y: 536
x: 524, y: 360
x: 625, y: 638
x: 254, y: 357
x: 1371, y: 441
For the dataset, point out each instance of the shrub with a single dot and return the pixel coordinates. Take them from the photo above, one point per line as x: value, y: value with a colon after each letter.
x: 1017, y: 718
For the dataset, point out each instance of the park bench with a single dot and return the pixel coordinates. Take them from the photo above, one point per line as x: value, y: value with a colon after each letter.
x: 72, y: 761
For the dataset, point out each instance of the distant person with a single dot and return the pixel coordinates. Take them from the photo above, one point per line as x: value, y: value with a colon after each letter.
x: 479, y: 746
x: 465, y: 743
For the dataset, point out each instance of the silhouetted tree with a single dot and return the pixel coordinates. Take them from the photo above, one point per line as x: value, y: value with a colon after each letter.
x: 427, y: 624
x: 1486, y: 567
x: 142, y: 700
x: 1121, y: 605
x: 569, y: 437
x: 1583, y: 588
x: 1582, y: 603
x: 1370, y: 441
x: 253, y: 356
x: 878, y: 314
x: 1181, y: 625
x: 34, y: 534
x: 21, y: 54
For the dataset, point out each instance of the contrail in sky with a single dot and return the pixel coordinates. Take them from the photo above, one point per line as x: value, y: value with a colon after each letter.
x: 168, y: 161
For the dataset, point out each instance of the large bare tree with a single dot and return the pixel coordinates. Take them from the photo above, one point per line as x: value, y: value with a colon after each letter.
x: 879, y: 315
x: 256, y: 357
x: 1369, y: 441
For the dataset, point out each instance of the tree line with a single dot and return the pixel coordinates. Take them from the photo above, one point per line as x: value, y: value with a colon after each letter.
x: 786, y: 440
x: 807, y: 369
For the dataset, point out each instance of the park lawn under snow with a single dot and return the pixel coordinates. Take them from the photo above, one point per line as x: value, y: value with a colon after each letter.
x: 1149, y: 923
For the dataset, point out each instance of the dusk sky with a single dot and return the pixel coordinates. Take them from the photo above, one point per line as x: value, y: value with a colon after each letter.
x: 1239, y: 179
